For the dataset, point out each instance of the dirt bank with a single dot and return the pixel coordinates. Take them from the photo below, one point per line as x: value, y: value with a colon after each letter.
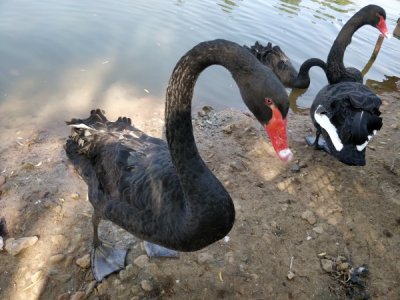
x: 291, y: 219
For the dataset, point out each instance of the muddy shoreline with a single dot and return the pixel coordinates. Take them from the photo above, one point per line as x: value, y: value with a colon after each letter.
x: 289, y: 218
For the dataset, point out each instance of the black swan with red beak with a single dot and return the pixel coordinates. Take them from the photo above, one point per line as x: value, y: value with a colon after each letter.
x: 346, y: 112
x: 163, y: 192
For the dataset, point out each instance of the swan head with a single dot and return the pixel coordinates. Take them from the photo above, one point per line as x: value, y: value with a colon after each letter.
x: 276, y: 130
x: 266, y: 97
x: 376, y: 16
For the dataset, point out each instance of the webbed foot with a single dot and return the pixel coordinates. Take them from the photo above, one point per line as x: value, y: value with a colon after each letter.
x: 318, y: 144
x: 105, y: 259
x: 154, y: 250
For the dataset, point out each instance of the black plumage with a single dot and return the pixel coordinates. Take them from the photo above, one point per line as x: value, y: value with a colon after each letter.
x: 280, y: 64
x: 160, y: 191
x: 352, y: 108
x: 369, y: 15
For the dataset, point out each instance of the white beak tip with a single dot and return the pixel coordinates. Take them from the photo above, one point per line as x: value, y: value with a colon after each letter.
x: 286, y: 155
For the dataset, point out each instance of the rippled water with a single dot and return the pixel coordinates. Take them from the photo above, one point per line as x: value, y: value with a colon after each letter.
x: 60, y: 58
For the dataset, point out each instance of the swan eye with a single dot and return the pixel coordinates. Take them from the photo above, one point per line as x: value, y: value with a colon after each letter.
x: 268, y: 101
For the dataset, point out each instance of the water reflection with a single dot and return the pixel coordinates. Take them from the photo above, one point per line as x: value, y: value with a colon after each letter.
x: 227, y: 5
x: 44, y: 73
x: 293, y: 96
x: 337, y: 5
x: 291, y: 7
x: 389, y: 84
x: 373, y: 55
x: 322, y: 10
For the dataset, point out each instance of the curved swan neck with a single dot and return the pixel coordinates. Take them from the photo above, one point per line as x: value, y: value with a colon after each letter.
x: 303, y: 79
x: 178, y: 117
x: 336, y: 70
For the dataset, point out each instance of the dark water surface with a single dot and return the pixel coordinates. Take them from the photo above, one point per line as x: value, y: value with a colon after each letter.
x: 60, y: 58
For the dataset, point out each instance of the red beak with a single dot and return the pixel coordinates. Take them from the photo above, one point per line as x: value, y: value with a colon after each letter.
x: 382, y: 27
x: 276, y: 130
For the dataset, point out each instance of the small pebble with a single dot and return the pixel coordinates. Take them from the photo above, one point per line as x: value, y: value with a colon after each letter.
x: 309, y: 216
x: 103, y: 287
x: 68, y: 261
x: 237, y: 165
x: 84, y: 261
x: 201, y: 113
x: 56, y: 258
x: 290, y: 275
x: 146, y: 285
x: 284, y: 206
x: 135, y: 290
x: 141, y: 261
x: 227, y: 129
x: 295, y: 168
x: 204, y: 257
x: 90, y: 287
x: 333, y: 220
x: 343, y: 266
x: 14, y: 246
x: 327, y: 265
x: 127, y: 272
x: 78, y: 296
x: 75, y: 196
x: 318, y: 229
x: 230, y: 257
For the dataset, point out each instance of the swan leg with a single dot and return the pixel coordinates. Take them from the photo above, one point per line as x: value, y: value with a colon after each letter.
x: 105, y: 259
x: 154, y: 250
x: 318, y: 142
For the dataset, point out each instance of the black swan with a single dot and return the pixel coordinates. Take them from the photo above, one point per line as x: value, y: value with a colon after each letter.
x: 346, y: 112
x: 162, y: 192
x: 280, y: 64
x: 369, y: 15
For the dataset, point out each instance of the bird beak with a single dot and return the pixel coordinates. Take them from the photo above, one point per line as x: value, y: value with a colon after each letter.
x: 276, y: 130
x: 382, y: 27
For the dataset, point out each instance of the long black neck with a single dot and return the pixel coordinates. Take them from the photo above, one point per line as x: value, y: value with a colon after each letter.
x: 336, y: 70
x: 179, y: 132
x: 303, y: 78
x: 203, y: 192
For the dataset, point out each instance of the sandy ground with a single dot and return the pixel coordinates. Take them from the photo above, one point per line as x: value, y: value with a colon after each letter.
x: 299, y: 227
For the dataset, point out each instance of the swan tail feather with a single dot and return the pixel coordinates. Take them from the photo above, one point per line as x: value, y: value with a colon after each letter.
x: 84, y: 132
x: 364, y: 125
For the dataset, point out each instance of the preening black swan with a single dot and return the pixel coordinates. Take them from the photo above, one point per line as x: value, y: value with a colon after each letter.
x: 162, y: 192
x: 346, y: 112
x: 280, y: 64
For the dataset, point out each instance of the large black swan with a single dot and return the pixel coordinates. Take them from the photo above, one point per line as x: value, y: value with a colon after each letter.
x: 280, y: 64
x: 346, y: 112
x: 163, y: 192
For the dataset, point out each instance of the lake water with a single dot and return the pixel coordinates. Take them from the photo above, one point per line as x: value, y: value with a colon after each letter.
x: 60, y: 58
